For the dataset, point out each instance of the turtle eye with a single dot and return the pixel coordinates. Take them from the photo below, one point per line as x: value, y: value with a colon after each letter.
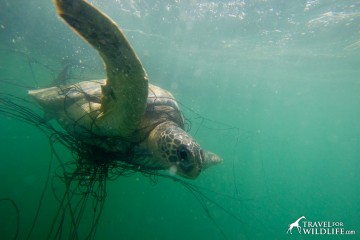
x: 183, y: 153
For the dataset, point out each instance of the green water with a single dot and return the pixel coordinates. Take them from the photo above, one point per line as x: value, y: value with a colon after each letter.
x: 280, y: 78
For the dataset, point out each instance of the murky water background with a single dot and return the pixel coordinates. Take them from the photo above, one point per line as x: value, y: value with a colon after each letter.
x: 280, y: 78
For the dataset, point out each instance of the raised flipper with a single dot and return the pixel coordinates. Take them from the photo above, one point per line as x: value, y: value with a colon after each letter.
x: 124, y: 95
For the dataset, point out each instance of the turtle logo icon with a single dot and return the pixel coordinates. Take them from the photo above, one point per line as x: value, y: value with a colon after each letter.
x: 295, y: 224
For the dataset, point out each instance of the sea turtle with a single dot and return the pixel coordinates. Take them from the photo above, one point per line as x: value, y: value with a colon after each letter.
x: 124, y: 112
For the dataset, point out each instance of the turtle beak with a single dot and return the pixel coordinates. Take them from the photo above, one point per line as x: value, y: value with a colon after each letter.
x: 190, y: 175
x: 211, y: 159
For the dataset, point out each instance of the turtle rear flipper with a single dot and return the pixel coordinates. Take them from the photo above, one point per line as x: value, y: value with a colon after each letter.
x: 124, y: 95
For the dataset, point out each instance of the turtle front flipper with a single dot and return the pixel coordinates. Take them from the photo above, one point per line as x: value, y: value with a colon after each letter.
x: 124, y: 95
x: 211, y: 159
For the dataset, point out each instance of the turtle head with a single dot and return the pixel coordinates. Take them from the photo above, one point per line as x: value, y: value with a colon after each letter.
x: 176, y: 150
